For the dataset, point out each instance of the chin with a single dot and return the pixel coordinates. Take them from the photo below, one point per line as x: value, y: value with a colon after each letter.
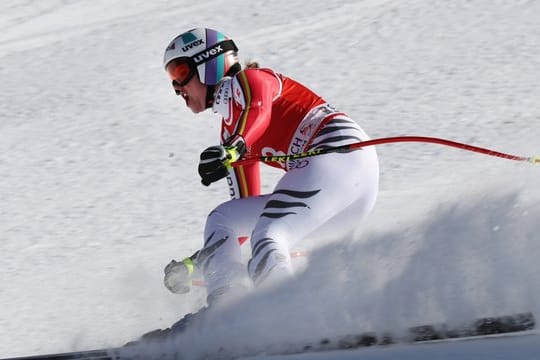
x: 197, y: 110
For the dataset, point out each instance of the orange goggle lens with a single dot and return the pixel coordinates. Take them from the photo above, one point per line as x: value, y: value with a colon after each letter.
x: 180, y: 71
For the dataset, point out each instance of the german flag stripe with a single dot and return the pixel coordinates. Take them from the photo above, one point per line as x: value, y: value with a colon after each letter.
x: 247, y: 93
x: 242, y: 182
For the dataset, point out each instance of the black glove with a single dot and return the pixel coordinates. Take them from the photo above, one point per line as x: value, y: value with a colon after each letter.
x: 216, y: 162
x: 178, y: 275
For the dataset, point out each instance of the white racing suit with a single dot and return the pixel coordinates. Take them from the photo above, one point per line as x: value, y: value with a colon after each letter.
x: 317, y: 197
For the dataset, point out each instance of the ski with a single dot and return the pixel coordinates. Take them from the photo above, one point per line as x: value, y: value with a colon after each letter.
x: 482, y: 327
x: 101, y: 354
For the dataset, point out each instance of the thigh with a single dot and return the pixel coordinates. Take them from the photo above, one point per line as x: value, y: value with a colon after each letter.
x: 238, y: 216
x: 334, y: 188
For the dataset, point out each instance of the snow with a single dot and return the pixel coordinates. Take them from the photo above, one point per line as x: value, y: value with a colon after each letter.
x: 99, y: 191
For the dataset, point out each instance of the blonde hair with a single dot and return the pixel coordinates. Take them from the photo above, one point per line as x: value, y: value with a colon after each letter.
x: 252, y: 64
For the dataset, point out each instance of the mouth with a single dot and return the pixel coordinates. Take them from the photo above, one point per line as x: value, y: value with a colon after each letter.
x: 183, y: 95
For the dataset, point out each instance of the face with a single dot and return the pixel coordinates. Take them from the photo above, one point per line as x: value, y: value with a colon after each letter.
x: 194, y: 94
x: 186, y: 83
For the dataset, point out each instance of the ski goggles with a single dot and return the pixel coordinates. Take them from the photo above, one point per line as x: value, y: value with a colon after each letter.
x: 181, y: 71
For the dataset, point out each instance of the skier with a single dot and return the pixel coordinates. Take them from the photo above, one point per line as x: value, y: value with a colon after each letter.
x: 264, y: 113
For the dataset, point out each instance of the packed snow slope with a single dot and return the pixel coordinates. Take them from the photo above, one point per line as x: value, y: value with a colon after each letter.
x: 99, y: 190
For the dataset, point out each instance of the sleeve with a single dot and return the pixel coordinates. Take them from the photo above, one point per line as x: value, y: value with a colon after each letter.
x: 244, y: 181
x: 253, y: 92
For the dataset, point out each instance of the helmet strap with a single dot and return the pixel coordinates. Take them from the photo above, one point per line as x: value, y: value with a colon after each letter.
x: 235, y: 68
x: 210, y: 95
x: 210, y: 89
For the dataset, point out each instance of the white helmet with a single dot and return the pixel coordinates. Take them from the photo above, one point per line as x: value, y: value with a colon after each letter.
x: 209, y: 52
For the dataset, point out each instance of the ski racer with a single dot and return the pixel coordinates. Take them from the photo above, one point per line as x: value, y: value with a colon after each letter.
x: 264, y: 113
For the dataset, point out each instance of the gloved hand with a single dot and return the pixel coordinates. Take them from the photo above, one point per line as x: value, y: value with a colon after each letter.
x: 216, y: 162
x: 178, y: 275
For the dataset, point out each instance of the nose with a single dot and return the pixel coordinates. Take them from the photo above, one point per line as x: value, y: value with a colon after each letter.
x: 177, y: 88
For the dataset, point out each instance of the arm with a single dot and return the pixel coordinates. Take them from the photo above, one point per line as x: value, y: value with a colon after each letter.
x: 246, y: 117
x: 244, y: 181
x: 253, y: 93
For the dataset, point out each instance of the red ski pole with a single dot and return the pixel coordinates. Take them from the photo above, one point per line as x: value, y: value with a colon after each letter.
x: 388, y: 140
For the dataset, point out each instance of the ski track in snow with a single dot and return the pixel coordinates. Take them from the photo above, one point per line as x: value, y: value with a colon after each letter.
x: 98, y: 161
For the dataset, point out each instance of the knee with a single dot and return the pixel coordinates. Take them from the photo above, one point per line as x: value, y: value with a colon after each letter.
x: 219, y: 245
x: 219, y: 218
